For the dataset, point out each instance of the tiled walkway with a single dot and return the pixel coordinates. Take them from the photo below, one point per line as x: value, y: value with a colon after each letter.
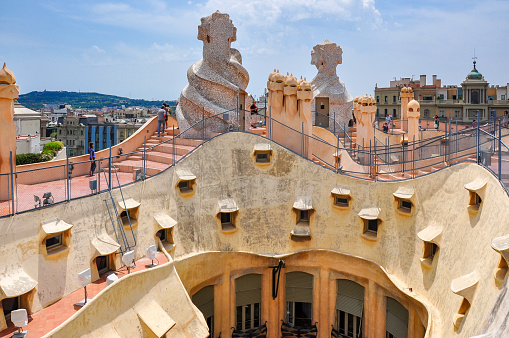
x: 50, y: 317
x: 79, y: 186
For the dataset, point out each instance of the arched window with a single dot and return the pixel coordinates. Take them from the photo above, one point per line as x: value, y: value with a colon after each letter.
x: 349, y: 308
x: 248, y: 301
x: 299, y: 299
x: 397, y: 320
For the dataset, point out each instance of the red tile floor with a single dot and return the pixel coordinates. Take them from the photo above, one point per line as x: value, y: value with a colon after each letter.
x: 79, y: 186
x: 50, y: 317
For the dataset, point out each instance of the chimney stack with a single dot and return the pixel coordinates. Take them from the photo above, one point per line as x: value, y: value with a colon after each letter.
x: 434, y: 80
x: 423, y: 80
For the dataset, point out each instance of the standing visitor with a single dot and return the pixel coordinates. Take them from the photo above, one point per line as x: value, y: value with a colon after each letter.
x: 91, y: 152
x: 505, y: 120
x: 161, y: 120
x: 437, y: 122
x: 474, y: 124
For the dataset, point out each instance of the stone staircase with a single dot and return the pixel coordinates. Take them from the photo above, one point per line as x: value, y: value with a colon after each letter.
x: 159, y: 155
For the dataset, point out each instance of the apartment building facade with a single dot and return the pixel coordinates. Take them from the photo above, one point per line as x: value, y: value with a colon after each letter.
x: 460, y: 103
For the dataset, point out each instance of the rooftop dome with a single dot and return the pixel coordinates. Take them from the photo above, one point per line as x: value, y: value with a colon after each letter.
x: 474, y: 73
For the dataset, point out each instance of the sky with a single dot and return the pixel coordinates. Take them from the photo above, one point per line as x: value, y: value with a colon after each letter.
x: 143, y: 48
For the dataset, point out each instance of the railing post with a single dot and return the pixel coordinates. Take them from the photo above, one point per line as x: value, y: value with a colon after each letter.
x: 374, y: 141
x: 477, y: 138
x: 110, y: 186
x: 12, y: 183
x: 302, y: 133
x: 203, y: 122
x: 99, y: 174
x: 344, y: 137
x: 67, y: 172
x: 144, y: 162
x: 173, y: 140
x: 337, y: 154
x: 370, y: 163
x: 270, y: 123
x: 413, y: 158
x: 500, y: 150
x: 449, y: 144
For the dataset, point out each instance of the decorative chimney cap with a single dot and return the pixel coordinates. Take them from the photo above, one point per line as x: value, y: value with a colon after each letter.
x: 7, y: 76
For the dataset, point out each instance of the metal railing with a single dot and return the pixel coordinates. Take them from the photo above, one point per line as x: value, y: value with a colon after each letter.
x: 25, y: 190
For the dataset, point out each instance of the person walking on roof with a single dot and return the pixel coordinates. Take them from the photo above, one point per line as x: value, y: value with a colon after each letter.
x: 161, y: 120
x: 91, y: 152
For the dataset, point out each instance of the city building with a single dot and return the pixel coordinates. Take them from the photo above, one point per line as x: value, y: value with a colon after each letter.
x: 459, y: 103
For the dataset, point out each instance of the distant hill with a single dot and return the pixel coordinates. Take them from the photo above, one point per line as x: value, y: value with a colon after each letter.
x: 35, y: 100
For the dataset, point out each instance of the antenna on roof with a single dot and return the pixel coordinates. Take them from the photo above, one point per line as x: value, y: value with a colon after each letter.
x: 474, y: 58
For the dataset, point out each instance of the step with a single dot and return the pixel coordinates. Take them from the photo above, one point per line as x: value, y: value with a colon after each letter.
x: 180, y: 141
x: 161, y: 157
x: 136, y: 157
x: 168, y: 148
x: 438, y: 166
x: 151, y: 167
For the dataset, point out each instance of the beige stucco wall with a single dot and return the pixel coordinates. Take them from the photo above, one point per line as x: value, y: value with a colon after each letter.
x: 225, y: 168
x: 115, y: 311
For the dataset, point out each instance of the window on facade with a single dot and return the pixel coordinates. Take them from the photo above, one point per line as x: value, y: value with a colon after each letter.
x: 377, y: 99
x: 248, y: 299
x: 502, y: 97
x: 372, y: 225
x: 394, y: 112
x: 226, y: 218
x: 385, y: 111
x: 475, y: 96
x: 404, y: 205
x: 262, y: 157
x: 396, y: 325
x: 103, y: 264
x: 342, y: 200
x: 299, y: 299
x: 304, y: 216
x: 386, y: 99
x: 53, y: 242
x: 475, y: 200
x: 9, y: 305
x: 349, y: 309
x: 161, y: 234
x: 457, y: 113
x: 394, y: 99
x: 441, y: 113
x: 454, y: 97
x: 430, y: 250
x: 426, y: 112
x: 184, y: 186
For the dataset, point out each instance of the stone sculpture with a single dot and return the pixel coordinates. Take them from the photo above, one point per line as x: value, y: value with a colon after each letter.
x: 326, y: 56
x: 9, y: 92
x: 290, y: 105
x: 216, y: 83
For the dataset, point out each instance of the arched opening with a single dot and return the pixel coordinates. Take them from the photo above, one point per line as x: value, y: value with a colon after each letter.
x: 299, y: 299
x: 248, y: 301
x: 349, y: 312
